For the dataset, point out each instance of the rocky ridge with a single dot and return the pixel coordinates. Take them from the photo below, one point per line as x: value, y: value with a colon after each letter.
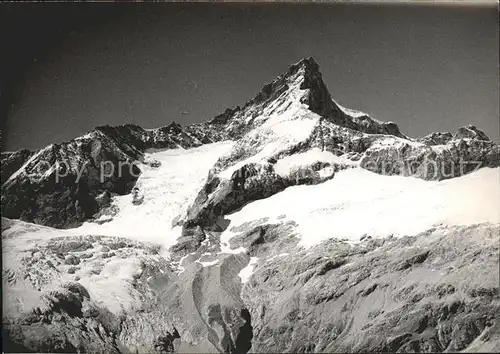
x: 70, y: 177
x: 13, y: 161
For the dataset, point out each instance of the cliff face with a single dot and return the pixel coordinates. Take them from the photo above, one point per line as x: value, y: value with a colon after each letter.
x: 287, y: 224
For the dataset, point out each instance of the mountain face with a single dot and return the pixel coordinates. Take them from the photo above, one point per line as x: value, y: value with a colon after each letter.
x: 292, y: 114
x: 289, y: 224
x: 62, y: 185
x: 299, y: 116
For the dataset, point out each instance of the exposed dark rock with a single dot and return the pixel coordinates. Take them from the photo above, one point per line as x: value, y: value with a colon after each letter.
x: 165, y: 344
x: 425, y: 293
x: 250, y: 182
x: 330, y: 265
x: 13, y: 161
x: 72, y: 260
x: 319, y: 99
x: 455, y: 159
x: 470, y: 132
x: 103, y: 200
x: 416, y: 259
x: 43, y: 193
x: 137, y: 197
x: 189, y: 241
x: 436, y: 139
x: 224, y: 117
x: 71, y: 245
x: 244, y: 339
x: 72, y: 270
x: 66, y: 318
x: 264, y: 238
x: 62, y: 185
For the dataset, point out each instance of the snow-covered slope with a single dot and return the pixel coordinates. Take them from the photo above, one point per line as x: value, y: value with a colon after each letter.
x: 357, y: 203
x: 167, y: 189
x: 39, y: 258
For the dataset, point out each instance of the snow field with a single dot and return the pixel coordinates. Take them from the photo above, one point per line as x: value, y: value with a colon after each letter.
x: 168, y: 190
x: 358, y: 202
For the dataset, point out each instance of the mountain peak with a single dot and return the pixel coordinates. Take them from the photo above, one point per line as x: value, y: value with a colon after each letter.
x: 305, y: 75
x: 302, y: 83
x: 306, y: 63
x: 319, y: 98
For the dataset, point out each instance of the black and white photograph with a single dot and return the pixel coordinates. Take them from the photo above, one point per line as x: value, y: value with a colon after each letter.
x: 250, y: 176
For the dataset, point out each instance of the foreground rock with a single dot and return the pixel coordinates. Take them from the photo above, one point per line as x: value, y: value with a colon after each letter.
x: 436, y: 291
x: 67, y: 293
x: 90, y: 293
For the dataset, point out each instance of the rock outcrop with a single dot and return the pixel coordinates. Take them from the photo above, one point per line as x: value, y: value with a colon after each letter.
x: 379, y: 296
x: 13, y: 161
x: 435, y: 162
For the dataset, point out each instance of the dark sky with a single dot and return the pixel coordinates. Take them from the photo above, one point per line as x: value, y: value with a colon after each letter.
x: 70, y: 67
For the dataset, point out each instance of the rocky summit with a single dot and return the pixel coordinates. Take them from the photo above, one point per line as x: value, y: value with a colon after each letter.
x: 287, y: 224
